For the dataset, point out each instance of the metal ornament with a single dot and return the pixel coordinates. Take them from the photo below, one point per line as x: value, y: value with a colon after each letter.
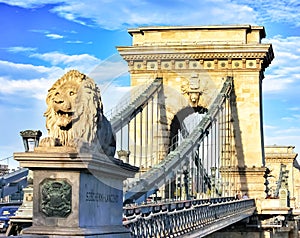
x: 56, y: 198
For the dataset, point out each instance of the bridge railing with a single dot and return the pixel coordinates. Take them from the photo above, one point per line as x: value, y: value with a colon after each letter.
x: 131, y: 105
x: 13, y: 182
x: 181, y: 217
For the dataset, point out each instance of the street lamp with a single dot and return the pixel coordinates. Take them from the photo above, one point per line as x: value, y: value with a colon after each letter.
x: 213, y: 180
x: 186, y: 181
x: 31, y: 139
x: 266, y: 183
x: 23, y: 216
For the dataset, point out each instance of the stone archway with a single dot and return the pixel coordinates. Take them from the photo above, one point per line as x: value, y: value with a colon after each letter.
x: 179, y: 129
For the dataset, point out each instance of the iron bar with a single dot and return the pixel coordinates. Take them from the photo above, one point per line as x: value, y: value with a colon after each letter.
x: 152, y: 132
x: 141, y: 138
x: 134, y: 141
x: 203, y: 169
x: 157, y: 127
x: 128, y: 136
x: 121, y: 131
x: 146, y: 136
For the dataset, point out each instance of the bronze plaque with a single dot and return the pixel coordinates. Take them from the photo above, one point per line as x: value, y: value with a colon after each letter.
x: 56, y: 198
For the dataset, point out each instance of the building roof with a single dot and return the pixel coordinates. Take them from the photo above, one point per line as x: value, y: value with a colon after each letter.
x: 210, y: 27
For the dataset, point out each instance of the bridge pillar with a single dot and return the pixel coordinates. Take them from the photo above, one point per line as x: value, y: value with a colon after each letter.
x: 193, y: 62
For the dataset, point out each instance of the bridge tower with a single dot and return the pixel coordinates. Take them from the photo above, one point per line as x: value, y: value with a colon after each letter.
x: 194, y: 62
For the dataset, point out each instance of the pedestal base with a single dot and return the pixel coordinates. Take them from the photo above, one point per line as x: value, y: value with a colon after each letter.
x: 54, y: 232
x: 76, y: 195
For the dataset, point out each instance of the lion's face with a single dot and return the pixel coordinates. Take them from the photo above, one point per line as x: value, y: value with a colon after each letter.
x: 74, y: 109
x: 64, y: 104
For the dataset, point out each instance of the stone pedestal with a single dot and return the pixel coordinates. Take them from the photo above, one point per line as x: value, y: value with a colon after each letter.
x: 76, y: 195
x: 23, y: 216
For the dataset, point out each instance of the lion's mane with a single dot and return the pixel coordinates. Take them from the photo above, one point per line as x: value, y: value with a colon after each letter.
x: 87, y: 122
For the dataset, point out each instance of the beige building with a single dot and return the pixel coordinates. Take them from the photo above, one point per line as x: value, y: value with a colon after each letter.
x: 284, y: 158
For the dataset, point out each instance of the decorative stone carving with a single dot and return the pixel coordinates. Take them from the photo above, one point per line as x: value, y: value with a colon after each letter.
x: 31, y: 134
x: 193, y: 90
x: 56, y: 198
x: 206, y: 56
x: 74, y: 117
x: 124, y: 155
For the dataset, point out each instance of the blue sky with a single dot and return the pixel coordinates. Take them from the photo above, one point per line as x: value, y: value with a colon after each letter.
x: 42, y: 39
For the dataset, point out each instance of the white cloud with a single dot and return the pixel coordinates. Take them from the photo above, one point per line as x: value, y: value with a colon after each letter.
x: 35, y: 88
x: 54, y: 36
x: 23, y: 71
x: 34, y: 81
x: 297, y: 116
x: 82, y: 62
x: 269, y: 127
x: 294, y: 109
x: 26, y: 79
x: 282, y: 134
x: 29, y: 3
x: 74, y: 42
x: 288, y: 131
x: 289, y: 119
x: 293, y: 140
x: 123, y: 14
x: 115, y: 14
x: 275, y: 11
x: 272, y: 84
x: 284, y: 130
x: 284, y: 72
x: 17, y: 49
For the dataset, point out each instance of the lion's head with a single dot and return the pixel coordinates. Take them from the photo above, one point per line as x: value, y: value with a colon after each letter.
x: 74, y: 109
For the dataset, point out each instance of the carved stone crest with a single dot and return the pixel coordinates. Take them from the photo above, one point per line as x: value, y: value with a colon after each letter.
x: 56, y: 198
x: 191, y: 87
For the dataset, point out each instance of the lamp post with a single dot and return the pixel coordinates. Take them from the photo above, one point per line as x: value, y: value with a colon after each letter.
x: 186, y: 181
x: 23, y: 216
x: 31, y: 139
x: 213, y: 181
x: 266, y: 183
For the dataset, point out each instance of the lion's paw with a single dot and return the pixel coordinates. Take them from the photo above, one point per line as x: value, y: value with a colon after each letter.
x: 49, y: 142
x: 80, y: 144
x: 77, y: 142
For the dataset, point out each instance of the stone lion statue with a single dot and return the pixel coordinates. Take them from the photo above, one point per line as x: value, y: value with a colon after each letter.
x: 74, y: 117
